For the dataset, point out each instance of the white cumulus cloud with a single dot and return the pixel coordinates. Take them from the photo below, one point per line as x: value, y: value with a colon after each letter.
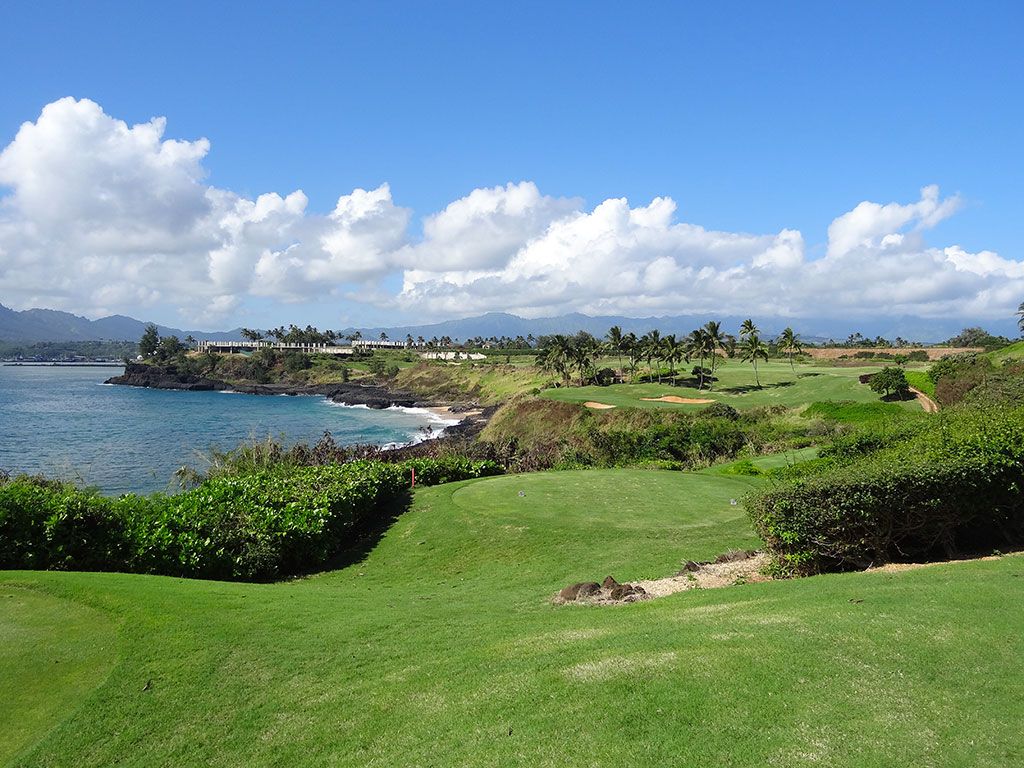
x: 98, y: 216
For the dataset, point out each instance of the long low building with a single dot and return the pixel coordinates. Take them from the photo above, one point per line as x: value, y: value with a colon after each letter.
x: 233, y: 347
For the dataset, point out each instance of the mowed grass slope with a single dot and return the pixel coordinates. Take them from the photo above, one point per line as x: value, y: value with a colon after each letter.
x: 780, y: 385
x: 441, y: 648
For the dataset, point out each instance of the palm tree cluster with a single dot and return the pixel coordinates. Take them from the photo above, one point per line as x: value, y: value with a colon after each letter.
x: 708, y: 345
x: 705, y: 344
x: 563, y: 355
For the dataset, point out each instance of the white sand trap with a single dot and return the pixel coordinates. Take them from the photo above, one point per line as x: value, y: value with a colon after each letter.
x: 677, y: 399
x: 598, y: 406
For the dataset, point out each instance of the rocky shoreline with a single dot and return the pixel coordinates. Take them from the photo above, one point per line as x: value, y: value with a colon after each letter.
x: 471, y: 417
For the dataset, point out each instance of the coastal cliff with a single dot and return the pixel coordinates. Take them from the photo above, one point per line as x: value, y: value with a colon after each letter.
x: 349, y: 393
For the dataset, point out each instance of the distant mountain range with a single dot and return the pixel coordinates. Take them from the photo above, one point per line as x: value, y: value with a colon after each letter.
x: 33, y: 325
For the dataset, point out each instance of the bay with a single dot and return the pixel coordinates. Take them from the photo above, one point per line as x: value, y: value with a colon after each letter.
x: 63, y: 422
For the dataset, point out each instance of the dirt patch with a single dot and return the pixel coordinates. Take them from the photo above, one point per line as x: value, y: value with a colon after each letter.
x: 929, y: 405
x: 677, y: 399
x: 899, y: 567
x: 737, y: 567
x: 934, y: 353
x: 598, y: 406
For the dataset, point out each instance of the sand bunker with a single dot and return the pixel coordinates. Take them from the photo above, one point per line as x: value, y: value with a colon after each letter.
x: 675, y: 399
x: 598, y: 406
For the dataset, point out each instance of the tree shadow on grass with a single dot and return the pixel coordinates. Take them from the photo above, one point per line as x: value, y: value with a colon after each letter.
x: 745, y: 388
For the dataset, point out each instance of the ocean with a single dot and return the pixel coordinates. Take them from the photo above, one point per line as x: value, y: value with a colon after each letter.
x: 63, y: 422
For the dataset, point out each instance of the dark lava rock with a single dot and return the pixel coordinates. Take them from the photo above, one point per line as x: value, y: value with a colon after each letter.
x: 157, y: 377
x: 576, y: 591
x: 609, y: 583
x: 735, y: 556
x: 620, y: 591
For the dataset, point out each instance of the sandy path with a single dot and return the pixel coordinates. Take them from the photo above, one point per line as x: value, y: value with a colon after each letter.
x: 598, y: 406
x: 929, y: 405
x: 676, y: 399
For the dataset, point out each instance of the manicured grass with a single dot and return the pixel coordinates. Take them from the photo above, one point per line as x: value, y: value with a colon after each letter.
x: 919, y: 380
x: 441, y: 648
x: 53, y: 653
x: 780, y: 386
x: 856, y: 413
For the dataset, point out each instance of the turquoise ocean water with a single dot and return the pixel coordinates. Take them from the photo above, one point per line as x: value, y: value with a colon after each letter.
x: 64, y: 422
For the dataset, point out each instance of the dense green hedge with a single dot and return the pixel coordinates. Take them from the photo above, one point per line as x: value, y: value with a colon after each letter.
x: 951, y: 488
x: 252, y: 526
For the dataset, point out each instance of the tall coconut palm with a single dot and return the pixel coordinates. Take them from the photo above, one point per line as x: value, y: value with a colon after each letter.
x: 747, y: 328
x: 716, y: 341
x: 582, y: 355
x: 615, y: 338
x: 558, y: 356
x: 789, y: 343
x: 1020, y: 316
x: 673, y: 351
x: 752, y: 350
x: 697, y: 345
x: 652, y: 351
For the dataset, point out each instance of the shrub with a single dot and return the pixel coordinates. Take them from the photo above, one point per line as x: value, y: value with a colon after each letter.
x: 255, y: 525
x: 890, y: 381
x: 954, y: 486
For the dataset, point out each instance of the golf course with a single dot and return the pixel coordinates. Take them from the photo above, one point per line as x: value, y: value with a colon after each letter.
x: 441, y: 647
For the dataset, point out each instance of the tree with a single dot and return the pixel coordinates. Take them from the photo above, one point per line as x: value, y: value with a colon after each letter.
x: 716, y: 341
x: 557, y: 356
x: 1020, y: 320
x: 615, y: 340
x: 673, y: 351
x: 890, y: 381
x: 753, y: 349
x: 747, y: 328
x: 190, y: 340
x: 149, y: 341
x: 697, y: 345
x: 651, y: 343
x: 789, y: 344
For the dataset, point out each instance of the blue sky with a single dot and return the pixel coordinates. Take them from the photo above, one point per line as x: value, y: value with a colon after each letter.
x: 752, y: 117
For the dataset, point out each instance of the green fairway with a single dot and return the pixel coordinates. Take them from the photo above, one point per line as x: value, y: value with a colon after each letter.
x: 53, y: 652
x: 441, y: 648
x: 780, y: 386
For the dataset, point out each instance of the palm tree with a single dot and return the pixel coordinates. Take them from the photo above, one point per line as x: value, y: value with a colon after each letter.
x: 1020, y: 316
x: 615, y: 338
x: 747, y: 328
x: 582, y: 356
x: 651, y: 343
x: 789, y: 343
x: 752, y: 349
x: 558, y: 356
x: 717, y: 341
x: 696, y: 345
x: 673, y: 351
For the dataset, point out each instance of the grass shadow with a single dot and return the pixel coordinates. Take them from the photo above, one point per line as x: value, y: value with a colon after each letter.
x: 357, y: 550
x: 743, y: 389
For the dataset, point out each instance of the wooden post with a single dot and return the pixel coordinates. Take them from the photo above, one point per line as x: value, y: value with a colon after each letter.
x: 413, y: 478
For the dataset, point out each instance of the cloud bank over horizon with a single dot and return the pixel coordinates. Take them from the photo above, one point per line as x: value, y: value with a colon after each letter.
x: 101, y: 217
